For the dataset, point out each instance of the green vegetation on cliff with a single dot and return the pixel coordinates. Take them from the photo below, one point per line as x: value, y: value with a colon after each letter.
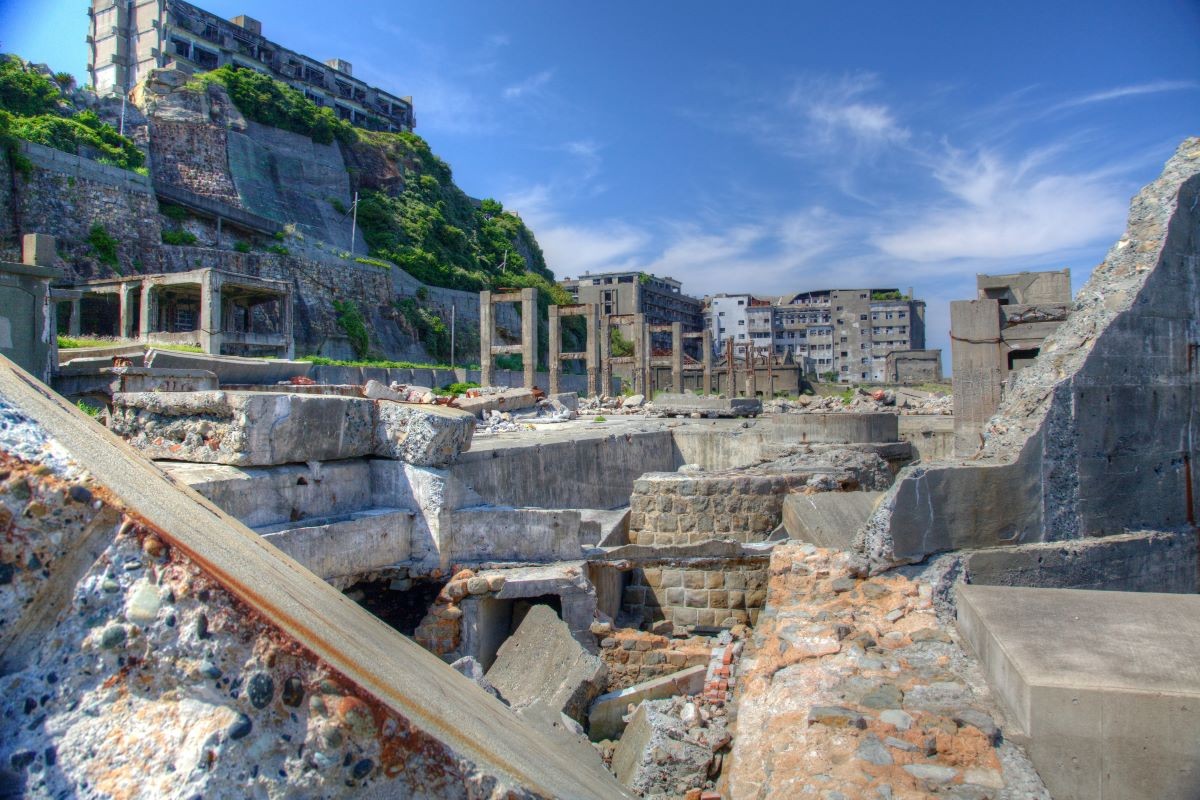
x: 32, y: 108
x: 421, y: 221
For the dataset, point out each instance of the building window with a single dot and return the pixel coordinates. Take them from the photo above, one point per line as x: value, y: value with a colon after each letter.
x: 741, y: 322
x: 862, y: 316
x: 839, y: 308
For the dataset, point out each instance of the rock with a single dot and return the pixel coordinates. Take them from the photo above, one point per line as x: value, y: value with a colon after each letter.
x: 543, y: 663
x: 374, y: 390
x: 980, y: 721
x: 932, y: 773
x: 885, y: 696
x: 143, y: 603
x: 836, y: 717
x: 292, y: 693
x: 655, y: 757
x: 634, y: 401
x: 426, y: 435
x: 113, y: 636
x: 260, y: 689
x: 240, y: 727
x: 840, y: 585
x: 900, y: 720
x: 470, y: 668
x: 871, y: 750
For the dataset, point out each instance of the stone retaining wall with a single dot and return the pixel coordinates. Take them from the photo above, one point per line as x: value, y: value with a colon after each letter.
x: 680, y: 508
x: 635, y: 656
x: 716, y: 593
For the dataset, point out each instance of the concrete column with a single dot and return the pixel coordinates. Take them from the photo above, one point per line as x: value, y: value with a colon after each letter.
x: 677, y: 357
x: 640, y: 359
x: 529, y: 328
x: 730, y: 370
x: 285, y: 321
x: 73, y: 323
x: 148, y: 312
x: 706, y: 358
x: 750, y: 376
x: 591, y: 317
x: 487, y: 328
x: 553, y: 362
x: 124, y: 317
x: 605, y: 343
x: 210, y: 313
x: 979, y: 365
x: 770, y: 374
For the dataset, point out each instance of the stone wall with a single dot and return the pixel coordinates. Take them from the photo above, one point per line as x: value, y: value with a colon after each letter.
x: 682, y: 508
x: 193, y: 156
x: 635, y: 656
x: 717, y: 592
x: 65, y: 195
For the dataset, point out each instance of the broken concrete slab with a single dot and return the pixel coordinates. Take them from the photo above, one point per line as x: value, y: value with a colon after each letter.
x: 501, y: 400
x: 654, y: 756
x: 604, y: 528
x: 150, y: 379
x: 542, y: 663
x: 424, y: 435
x: 368, y: 540
x: 828, y: 519
x: 487, y: 533
x: 245, y: 428
x: 606, y: 717
x: 230, y: 369
x: 706, y: 405
x: 1107, y: 701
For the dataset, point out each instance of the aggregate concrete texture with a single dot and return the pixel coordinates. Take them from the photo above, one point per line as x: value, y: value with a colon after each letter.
x: 488, y: 747
x: 425, y: 435
x: 1109, y: 701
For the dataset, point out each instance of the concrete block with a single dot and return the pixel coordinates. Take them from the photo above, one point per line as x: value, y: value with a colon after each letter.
x: 828, y: 519
x: 367, y: 540
x: 654, y: 755
x: 245, y: 428
x: 542, y: 663
x: 1103, y: 684
x: 425, y: 435
x: 146, y: 379
x: 510, y: 534
x: 708, y: 405
x: 603, y: 528
x: 230, y: 369
x: 606, y: 716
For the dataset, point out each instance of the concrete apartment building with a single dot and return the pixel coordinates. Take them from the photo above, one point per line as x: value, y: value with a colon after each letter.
x: 850, y: 332
x: 128, y: 38
x: 661, y: 299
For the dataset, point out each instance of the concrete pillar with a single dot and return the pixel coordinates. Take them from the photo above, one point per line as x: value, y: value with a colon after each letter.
x: 591, y: 317
x: 148, y: 312
x: 770, y: 375
x: 286, y: 323
x: 529, y: 329
x: 706, y: 358
x: 605, y: 342
x: 640, y: 358
x: 730, y: 371
x: 751, y: 388
x: 73, y: 323
x: 210, y: 313
x: 487, y: 328
x: 979, y: 365
x: 553, y: 362
x: 677, y: 357
x: 39, y: 250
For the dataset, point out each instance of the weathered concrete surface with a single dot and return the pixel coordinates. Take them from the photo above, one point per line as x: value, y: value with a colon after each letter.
x: 850, y: 684
x: 488, y: 533
x: 425, y: 435
x: 504, y: 400
x: 828, y: 519
x: 1098, y: 435
x: 1109, y: 703
x: 931, y: 435
x: 655, y: 755
x: 836, y: 428
x: 368, y: 540
x: 230, y: 369
x: 706, y: 405
x: 606, y: 716
x: 542, y: 664
x: 191, y: 641
x: 604, y: 528
x: 245, y: 428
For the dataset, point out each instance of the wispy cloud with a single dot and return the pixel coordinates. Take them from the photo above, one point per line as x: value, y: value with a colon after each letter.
x: 531, y: 85
x: 1119, y: 92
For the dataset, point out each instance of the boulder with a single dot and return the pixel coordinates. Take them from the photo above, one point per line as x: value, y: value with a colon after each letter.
x: 542, y: 663
x: 654, y: 756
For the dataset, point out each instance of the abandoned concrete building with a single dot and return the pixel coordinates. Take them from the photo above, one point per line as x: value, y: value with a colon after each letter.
x: 259, y: 577
x: 220, y: 312
x: 996, y: 335
x: 128, y: 40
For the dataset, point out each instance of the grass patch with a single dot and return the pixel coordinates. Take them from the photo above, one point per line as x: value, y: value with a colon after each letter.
x: 278, y: 250
x: 455, y: 389
x: 90, y: 410
x: 351, y: 320
x: 103, y: 245
x: 383, y: 363
x: 599, y: 419
x: 186, y: 238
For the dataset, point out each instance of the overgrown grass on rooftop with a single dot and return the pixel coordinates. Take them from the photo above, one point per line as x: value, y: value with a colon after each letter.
x: 77, y: 342
x: 333, y: 362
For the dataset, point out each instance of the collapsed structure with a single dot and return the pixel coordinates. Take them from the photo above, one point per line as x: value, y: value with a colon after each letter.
x: 268, y: 577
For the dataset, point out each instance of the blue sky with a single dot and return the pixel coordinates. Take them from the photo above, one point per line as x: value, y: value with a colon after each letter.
x: 770, y: 147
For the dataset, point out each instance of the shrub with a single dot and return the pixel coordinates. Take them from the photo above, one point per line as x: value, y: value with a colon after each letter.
x: 85, y: 130
x: 618, y: 345
x: 279, y: 250
x: 173, y: 212
x: 338, y: 205
x: 241, y: 247
x: 25, y: 92
x: 103, y: 245
x: 271, y: 102
x: 351, y: 320
x: 186, y: 238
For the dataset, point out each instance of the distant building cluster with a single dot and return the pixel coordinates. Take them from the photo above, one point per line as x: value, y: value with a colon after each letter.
x: 128, y: 38
x: 851, y: 335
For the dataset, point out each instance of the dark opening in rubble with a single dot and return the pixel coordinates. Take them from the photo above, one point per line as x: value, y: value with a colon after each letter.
x: 402, y: 608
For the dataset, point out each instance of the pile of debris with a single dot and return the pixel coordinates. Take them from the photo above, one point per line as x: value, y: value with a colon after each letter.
x: 899, y: 401
x: 633, y: 405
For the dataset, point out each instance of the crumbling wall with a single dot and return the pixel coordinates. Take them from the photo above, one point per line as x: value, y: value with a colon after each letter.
x: 636, y: 656
x: 1099, y: 435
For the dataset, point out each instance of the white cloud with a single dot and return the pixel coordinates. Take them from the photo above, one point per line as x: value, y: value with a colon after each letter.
x: 999, y: 209
x: 531, y: 85
x: 1152, y: 87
